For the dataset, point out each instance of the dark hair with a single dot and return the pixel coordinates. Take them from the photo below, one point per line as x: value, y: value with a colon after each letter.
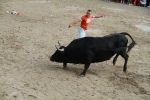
x: 89, y: 10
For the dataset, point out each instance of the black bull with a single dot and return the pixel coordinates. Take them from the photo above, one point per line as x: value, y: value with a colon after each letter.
x: 89, y: 50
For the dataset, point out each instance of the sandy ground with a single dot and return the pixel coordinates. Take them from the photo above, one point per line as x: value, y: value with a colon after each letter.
x: 27, y: 41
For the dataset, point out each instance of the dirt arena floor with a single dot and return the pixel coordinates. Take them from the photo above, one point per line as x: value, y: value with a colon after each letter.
x: 28, y: 40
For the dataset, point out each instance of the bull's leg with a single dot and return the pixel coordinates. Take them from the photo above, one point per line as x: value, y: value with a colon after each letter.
x: 125, y: 56
x: 64, y: 65
x: 89, y: 58
x: 85, y: 69
x: 115, y: 59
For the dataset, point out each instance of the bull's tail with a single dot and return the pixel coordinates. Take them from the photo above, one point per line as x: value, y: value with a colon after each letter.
x: 125, y: 33
x: 127, y: 48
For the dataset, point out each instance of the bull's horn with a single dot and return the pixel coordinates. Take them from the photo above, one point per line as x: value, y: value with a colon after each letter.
x: 61, y: 49
x: 56, y: 47
x: 59, y: 44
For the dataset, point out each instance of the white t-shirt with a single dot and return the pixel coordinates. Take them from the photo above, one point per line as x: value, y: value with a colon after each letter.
x: 143, y: 2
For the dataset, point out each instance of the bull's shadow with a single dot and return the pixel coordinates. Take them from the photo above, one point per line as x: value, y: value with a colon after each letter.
x: 76, y: 69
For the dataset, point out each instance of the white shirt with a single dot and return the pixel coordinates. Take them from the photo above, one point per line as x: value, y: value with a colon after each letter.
x: 143, y: 2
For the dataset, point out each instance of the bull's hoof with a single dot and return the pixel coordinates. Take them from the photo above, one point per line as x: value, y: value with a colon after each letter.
x: 64, y: 67
x: 81, y: 75
x: 125, y: 69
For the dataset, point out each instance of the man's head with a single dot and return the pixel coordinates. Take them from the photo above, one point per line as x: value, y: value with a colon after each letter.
x: 88, y: 13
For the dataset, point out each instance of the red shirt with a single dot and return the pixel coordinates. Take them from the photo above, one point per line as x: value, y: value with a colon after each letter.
x: 85, y: 21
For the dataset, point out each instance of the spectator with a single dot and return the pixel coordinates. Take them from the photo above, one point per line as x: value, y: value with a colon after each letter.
x: 121, y: 1
x: 142, y: 3
x: 130, y: 2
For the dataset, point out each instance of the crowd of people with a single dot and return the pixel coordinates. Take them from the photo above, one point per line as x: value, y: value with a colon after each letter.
x: 143, y: 3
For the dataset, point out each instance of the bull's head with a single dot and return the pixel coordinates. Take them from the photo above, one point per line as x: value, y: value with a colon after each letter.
x: 58, y: 55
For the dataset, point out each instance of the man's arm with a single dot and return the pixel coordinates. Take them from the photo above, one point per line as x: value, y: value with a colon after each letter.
x: 76, y: 21
x: 102, y: 16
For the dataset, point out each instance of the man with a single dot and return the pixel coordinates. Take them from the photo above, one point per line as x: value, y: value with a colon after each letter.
x: 142, y: 3
x: 85, y: 20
